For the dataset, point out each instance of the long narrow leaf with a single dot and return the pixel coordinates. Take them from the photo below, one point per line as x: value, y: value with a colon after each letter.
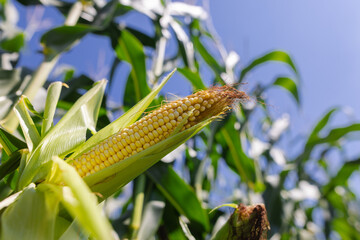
x: 131, y: 50
x: 289, y: 85
x: 151, y: 220
x: 125, y: 120
x: 277, y: 55
x: 237, y: 159
x: 69, y: 132
x: 28, y: 127
x: 62, y: 38
x: 208, y: 58
x: 50, y: 106
x: 193, y: 77
x: 10, y: 165
x: 342, y: 175
x: 179, y: 194
x: 9, y: 142
x: 81, y: 202
x: 31, y: 216
x: 321, y: 124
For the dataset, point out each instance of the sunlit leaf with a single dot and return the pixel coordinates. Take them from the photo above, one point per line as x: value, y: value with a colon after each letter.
x: 231, y: 205
x: 321, y: 124
x: 63, y: 38
x: 35, y: 211
x: 334, y: 135
x: 73, y: 231
x: 31, y: 134
x: 236, y: 158
x: 52, y: 99
x: 10, y: 164
x: 65, y: 229
x: 342, y: 176
x: 151, y: 219
x: 171, y: 224
x: 105, y: 15
x: 69, y: 132
x: 277, y: 55
x: 80, y: 201
x: 290, y: 85
x: 125, y: 120
x: 179, y: 194
x: 345, y: 229
x: 131, y: 50
x: 9, y: 142
x: 30, y: 107
x: 208, y: 58
x: 193, y: 77
x: 13, y: 44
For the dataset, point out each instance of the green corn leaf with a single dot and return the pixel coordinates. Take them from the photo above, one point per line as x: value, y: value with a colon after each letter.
x: 31, y: 216
x: 125, y: 120
x: 65, y: 229
x: 231, y: 205
x: 62, y: 38
x: 73, y: 231
x: 332, y: 137
x: 179, y: 194
x: 9, y: 142
x: 52, y: 99
x: 320, y: 125
x: 277, y: 55
x: 28, y: 127
x: 105, y: 15
x: 13, y: 44
x: 193, y: 77
x: 10, y: 165
x: 237, y: 159
x: 31, y: 108
x: 68, y: 133
x: 345, y: 229
x: 172, y: 226
x: 131, y: 50
x: 152, y: 216
x: 290, y: 85
x: 208, y: 58
x: 335, y: 134
x: 342, y: 176
x: 145, y: 39
x: 80, y: 201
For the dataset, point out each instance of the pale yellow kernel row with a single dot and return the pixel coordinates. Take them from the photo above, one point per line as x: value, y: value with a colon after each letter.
x: 145, y: 133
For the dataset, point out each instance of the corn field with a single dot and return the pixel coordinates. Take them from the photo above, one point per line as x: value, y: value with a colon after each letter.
x: 114, y: 153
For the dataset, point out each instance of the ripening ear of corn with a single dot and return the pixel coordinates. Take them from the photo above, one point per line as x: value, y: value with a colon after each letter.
x: 157, y: 126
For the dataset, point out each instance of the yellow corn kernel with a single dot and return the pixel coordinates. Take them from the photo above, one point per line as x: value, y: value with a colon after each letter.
x: 156, y: 127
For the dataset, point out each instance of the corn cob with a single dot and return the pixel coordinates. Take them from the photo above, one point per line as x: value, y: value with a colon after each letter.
x: 157, y: 126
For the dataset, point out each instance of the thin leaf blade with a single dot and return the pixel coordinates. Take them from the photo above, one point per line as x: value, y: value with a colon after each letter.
x: 180, y: 194
x: 277, y: 55
x: 289, y: 85
x: 81, y: 117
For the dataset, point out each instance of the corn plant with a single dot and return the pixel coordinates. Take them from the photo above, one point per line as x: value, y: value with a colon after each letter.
x: 47, y: 182
x: 57, y: 166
